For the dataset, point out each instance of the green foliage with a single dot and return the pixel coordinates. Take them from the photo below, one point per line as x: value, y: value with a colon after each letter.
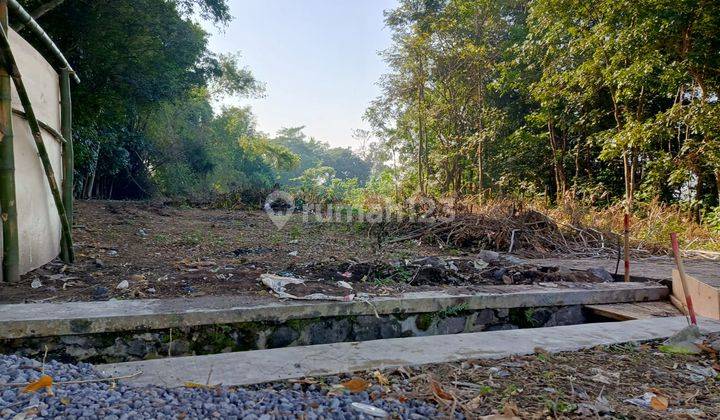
x: 312, y: 153
x: 143, y: 118
x: 554, y: 98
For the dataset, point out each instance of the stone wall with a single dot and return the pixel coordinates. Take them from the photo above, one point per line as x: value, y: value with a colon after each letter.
x: 211, y: 339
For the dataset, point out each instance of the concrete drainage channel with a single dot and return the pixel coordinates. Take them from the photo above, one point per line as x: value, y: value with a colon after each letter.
x: 124, y: 331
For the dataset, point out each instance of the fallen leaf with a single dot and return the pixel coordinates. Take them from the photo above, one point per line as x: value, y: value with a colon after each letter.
x: 45, y: 381
x: 356, y: 385
x: 380, y: 378
x: 511, y: 409
x: 659, y: 403
x: 439, y: 392
x: 475, y: 403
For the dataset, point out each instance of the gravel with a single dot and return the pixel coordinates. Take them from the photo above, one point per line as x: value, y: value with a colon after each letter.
x: 103, y: 399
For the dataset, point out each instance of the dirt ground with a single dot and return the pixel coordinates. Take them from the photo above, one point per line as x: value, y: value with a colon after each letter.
x: 132, y: 250
x: 585, y: 384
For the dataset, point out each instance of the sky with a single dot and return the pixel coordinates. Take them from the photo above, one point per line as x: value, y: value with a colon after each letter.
x: 318, y: 60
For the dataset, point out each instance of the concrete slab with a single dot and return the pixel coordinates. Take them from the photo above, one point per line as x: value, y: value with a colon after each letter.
x: 49, y: 319
x: 259, y: 366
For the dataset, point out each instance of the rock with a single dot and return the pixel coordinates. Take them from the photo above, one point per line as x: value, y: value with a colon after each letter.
x: 79, y: 353
x: 602, y: 274
x: 36, y: 283
x: 118, y: 350
x: 137, y: 348
x: 485, y: 317
x: 510, y: 259
x: 100, y: 293
x: 540, y: 317
x: 370, y: 327
x: 568, y: 315
x: 179, y: 347
x: 451, y: 325
x: 329, y: 331
x: 123, y: 285
x: 282, y: 337
x: 488, y: 256
x: 369, y: 410
x: 499, y: 273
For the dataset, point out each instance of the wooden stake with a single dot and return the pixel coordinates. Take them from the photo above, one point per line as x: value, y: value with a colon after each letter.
x: 683, y: 279
x: 68, y: 152
x: 11, y: 65
x: 626, y: 239
x: 8, y: 203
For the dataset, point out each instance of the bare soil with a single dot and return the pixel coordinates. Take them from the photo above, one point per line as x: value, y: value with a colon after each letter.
x: 164, y: 251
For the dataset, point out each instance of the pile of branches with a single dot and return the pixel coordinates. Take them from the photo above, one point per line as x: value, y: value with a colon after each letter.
x: 512, y: 229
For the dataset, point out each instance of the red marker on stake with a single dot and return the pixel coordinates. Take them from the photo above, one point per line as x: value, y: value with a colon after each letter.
x: 681, y: 271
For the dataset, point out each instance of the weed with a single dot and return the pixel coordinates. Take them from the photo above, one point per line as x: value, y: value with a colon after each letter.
x: 190, y: 238
x: 163, y: 238
x: 453, y: 310
x: 386, y: 281
x: 560, y: 406
x: 295, y: 232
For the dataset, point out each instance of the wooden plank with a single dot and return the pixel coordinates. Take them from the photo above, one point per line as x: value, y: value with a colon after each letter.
x: 705, y: 294
x: 630, y: 311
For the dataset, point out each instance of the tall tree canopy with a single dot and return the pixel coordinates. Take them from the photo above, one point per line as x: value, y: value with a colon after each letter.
x: 143, y: 117
x: 597, y: 100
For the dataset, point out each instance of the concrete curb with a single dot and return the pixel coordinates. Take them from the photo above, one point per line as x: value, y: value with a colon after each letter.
x: 243, y: 368
x: 50, y: 319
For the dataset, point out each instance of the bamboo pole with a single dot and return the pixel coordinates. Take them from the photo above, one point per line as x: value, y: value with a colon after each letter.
x: 68, y: 152
x: 11, y: 65
x: 8, y: 204
x: 24, y: 18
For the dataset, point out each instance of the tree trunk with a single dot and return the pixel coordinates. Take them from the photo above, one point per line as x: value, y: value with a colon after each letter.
x: 91, y: 181
x: 421, y: 138
x: 717, y: 184
x: 560, y: 183
x: 481, y: 169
